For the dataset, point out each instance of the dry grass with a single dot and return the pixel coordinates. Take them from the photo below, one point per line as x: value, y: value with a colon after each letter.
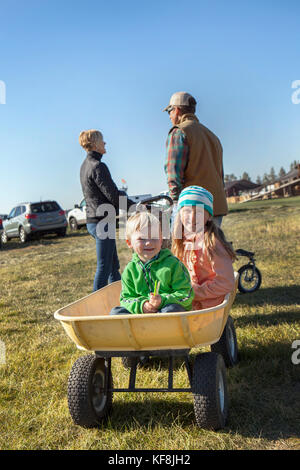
x: 41, y: 276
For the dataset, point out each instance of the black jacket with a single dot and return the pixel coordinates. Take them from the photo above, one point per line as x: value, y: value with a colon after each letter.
x: 98, y: 187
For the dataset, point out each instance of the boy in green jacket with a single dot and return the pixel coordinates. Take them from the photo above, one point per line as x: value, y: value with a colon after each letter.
x: 152, y: 266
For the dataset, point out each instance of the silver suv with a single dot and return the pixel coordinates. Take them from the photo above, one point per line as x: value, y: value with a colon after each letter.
x: 30, y: 218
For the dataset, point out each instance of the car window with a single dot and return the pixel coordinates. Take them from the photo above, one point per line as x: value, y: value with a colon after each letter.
x: 83, y: 203
x: 23, y: 209
x: 18, y: 211
x: 51, y: 206
x: 12, y: 213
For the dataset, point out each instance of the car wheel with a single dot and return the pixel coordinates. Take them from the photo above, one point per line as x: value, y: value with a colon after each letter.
x: 73, y: 224
x: 23, y: 235
x: 62, y: 232
x: 4, y: 237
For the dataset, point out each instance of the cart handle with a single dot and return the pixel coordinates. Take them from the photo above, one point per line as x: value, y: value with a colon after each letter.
x: 154, y: 199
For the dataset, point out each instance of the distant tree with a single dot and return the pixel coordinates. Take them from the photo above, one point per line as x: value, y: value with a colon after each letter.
x: 282, y: 172
x: 229, y: 178
x: 245, y: 176
x: 266, y: 179
x: 272, y: 175
x: 294, y: 164
x: 258, y: 180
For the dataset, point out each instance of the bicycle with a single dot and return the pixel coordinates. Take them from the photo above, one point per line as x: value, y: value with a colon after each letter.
x: 249, y: 275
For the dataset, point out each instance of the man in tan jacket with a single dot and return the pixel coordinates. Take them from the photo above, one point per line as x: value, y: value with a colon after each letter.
x: 194, y: 154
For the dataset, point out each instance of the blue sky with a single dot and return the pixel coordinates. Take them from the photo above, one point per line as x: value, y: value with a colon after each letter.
x: 113, y: 66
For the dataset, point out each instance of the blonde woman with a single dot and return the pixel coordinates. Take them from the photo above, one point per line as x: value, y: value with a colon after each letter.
x: 99, y: 188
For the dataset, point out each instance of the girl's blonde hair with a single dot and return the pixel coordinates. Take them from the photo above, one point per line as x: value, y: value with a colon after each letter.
x: 88, y: 139
x: 141, y: 220
x: 211, y: 233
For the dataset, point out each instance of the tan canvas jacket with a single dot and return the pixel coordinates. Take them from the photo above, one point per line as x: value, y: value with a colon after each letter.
x: 205, y: 165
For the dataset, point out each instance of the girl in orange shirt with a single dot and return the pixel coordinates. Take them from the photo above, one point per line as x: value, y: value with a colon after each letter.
x: 201, y: 245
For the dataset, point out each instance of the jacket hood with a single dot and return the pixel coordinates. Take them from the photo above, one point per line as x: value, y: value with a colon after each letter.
x: 162, y: 255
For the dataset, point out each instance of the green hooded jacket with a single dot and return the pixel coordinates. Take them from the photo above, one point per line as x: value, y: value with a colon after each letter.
x: 138, y: 281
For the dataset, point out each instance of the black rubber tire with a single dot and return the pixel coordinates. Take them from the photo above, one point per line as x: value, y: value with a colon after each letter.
x: 62, y: 232
x: 241, y: 284
x: 88, y: 407
x: 209, y: 387
x: 73, y: 224
x: 23, y: 235
x: 4, y: 237
x: 227, y: 344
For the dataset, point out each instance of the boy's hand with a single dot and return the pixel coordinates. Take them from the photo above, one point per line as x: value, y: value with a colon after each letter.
x: 155, y: 300
x: 148, y: 308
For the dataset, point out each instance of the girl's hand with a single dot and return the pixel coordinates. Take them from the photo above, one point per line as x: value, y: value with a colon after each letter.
x: 155, y: 300
x: 148, y: 308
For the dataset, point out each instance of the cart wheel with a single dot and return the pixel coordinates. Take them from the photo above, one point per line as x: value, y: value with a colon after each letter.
x: 88, y: 405
x: 227, y: 344
x: 209, y: 388
x: 249, y: 279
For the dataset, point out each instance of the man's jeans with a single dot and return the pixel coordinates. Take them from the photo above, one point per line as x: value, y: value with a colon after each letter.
x: 218, y: 220
x: 107, y: 259
x: 167, y: 309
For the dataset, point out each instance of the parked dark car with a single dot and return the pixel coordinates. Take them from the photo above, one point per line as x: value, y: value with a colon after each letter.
x: 34, y: 218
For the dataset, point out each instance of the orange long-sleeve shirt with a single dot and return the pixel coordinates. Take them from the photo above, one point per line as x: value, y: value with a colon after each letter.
x: 211, y: 280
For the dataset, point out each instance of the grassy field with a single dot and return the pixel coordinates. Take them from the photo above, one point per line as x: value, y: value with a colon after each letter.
x: 41, y: 276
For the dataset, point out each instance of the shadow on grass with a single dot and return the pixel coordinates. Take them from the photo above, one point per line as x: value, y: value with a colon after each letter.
x: 280, y: 295
x: 267, y: 319
x: 263, y: 402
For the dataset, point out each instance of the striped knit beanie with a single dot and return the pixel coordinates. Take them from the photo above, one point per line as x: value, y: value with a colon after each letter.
x: 194, y: 196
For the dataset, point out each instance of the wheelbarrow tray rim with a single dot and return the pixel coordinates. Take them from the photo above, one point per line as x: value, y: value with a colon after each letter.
x: 61, y: 317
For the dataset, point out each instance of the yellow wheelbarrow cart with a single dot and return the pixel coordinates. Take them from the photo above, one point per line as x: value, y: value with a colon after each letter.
x: 90, y: 387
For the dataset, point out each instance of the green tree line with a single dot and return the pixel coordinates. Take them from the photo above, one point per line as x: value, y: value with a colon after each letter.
x: 266, y: 178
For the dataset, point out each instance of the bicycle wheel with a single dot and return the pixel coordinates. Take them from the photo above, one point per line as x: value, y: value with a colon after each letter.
x: 249, y: 278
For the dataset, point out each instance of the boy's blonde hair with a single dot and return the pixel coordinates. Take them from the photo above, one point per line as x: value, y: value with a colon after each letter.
x: 141, y: 220
x: 88, y: 139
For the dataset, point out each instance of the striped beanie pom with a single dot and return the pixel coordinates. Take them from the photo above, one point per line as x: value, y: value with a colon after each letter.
x: 196, y: 195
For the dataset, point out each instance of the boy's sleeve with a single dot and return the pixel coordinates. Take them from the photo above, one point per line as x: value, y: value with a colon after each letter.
x: 223, y: 282
x: 182, y: 292
x: 129, y: 299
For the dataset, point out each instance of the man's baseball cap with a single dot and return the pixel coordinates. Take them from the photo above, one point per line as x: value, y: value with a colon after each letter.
x: 181, y: 98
